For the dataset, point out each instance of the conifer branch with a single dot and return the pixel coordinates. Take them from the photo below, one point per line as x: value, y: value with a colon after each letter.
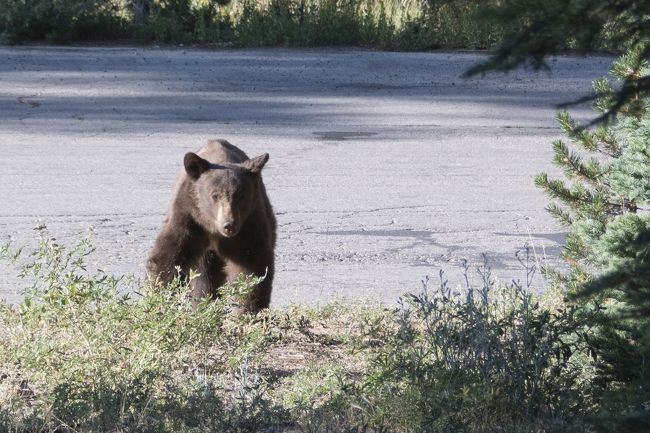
x: 560, y: 214
x: 573, y: 166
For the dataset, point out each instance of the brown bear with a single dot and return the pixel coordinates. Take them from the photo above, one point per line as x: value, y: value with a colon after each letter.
x: 220, y: 224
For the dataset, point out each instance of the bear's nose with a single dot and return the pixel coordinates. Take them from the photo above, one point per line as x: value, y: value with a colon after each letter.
x: 229, y: 227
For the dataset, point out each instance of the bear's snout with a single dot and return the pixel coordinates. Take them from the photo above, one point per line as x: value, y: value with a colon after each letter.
x: 229, y: 229
x: 226, y: 221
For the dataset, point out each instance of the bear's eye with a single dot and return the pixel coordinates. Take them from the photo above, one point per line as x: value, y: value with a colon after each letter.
x: 215, y: 197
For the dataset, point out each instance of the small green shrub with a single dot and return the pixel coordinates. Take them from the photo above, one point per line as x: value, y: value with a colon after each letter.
x: 80, y: 355
x: 482, y: 359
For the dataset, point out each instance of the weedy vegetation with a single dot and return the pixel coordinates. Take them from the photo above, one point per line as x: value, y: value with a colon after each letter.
x: 387, y: 24
x: 78, y: 355
x: 89, y: 352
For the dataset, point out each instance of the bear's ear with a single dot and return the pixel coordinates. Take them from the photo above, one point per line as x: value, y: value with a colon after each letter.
x: 256, y: 164
x: 195, y: 165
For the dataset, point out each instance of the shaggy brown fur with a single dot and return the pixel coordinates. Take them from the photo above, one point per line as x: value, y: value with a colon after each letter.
x: 220, y: 224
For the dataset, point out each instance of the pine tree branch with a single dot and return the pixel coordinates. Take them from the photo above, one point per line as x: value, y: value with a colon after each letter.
x: 573, y: 166
x: 560, y: 214
x: 575, y: 248
x: 578, y: 135
x: 631, y: 91
x: 556, y: 189
x: 578, y: 200
x: 610, y: 146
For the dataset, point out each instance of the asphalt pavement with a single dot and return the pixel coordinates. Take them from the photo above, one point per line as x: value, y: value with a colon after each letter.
x: 385, y: 167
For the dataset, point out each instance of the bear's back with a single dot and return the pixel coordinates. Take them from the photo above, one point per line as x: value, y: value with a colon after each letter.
x: 219, y: 151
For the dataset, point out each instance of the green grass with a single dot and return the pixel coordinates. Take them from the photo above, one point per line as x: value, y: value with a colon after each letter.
x: 387, y: 24
x: 88, y: 352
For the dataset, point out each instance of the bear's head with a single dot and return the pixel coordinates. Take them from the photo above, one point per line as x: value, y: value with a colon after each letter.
x: 224, y: 194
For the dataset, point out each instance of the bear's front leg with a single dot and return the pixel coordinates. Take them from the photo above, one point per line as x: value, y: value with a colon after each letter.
x: 260, y: 296
x: 176, y: 247
x: 211, y: 277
